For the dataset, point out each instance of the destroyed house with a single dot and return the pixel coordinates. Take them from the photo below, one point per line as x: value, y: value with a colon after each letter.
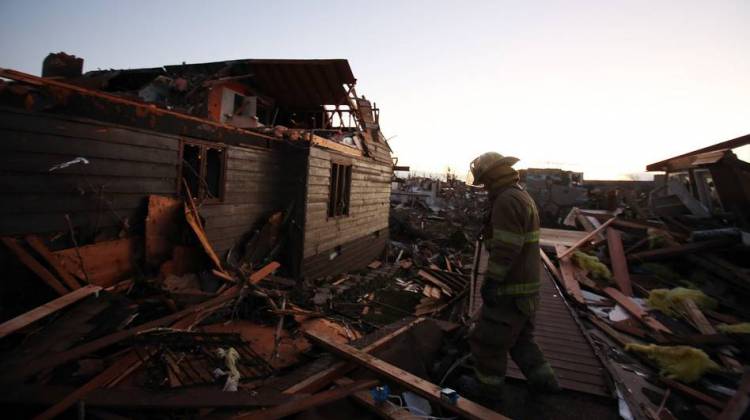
x: 712, y: 181
x: 246, y: 139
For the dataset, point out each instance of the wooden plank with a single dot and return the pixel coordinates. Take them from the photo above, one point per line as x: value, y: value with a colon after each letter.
x: 676, y: 251
x: 434, y: 280
x: 317, y: 381
x: 162, y: 225
x: 147, y: 109
x: 696, y: 316
x: 384, y: 411
x: 105, y: 263
x: 308, y: 402
x: 738, y: 404
x: 586, y: 238
x: 567, y: 273
x: 195, y: 224
x: 463, y: 406
x: 38, y: 245
x: 21, y: 321
x: 636, y: 310
x: 693, y: 393
x: 109, y: 374
x: 147, y: 399
x: 551, y: 237
x: 108, y: 340
x: 34, y: 265
x: 550, y: 265
x: 328, y: 144
x: 619, y: 262
x: 264, y: 272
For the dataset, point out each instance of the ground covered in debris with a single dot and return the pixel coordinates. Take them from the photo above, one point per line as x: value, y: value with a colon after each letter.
x: 641, y: 318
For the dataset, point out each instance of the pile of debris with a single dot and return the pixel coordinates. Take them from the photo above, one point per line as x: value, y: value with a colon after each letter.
x: 663, y: 303
x: 157, y: 324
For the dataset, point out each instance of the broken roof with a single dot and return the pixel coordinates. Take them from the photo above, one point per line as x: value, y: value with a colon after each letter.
x: 304, y: 84
x: 701, y: 155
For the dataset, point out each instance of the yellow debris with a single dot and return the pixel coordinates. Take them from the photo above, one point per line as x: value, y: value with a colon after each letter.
x: 741, y: 328
x: 592, y: 264
x: 669, y: 301
x: 683, y: 363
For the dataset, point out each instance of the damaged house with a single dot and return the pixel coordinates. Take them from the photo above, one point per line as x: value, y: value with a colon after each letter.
x: 246, y: 139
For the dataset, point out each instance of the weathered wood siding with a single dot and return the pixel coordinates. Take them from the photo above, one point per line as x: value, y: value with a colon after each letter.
x: 259, y: 182
x: 125, y: 166
x: 368, y: 214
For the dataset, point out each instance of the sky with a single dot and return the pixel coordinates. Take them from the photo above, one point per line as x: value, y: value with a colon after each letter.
x: 602, y: 87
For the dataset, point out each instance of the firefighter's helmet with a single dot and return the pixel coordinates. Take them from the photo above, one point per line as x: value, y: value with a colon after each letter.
x: 482, y: 165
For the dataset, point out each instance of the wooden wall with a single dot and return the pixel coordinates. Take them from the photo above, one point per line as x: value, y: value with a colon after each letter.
x: 125, y: 166
x: 366, y: 223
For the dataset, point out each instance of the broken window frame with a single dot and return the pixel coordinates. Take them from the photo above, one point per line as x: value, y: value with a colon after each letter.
x: 339, y: 189
x: 201, y: 194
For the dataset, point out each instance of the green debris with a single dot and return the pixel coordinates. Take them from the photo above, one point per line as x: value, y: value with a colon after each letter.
x: 683, y: 363
x: 741, y: 328
x: 656, y: 238
x: 669, y: 301
x: 592, y: 264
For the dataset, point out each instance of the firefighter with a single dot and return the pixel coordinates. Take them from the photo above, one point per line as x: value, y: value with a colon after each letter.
x: 511, y: 286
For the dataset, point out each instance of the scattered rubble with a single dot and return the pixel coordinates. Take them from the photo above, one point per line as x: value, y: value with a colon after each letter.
x: 642, y: 310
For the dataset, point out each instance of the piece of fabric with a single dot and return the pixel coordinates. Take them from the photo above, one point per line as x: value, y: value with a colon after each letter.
x: 507, y: 327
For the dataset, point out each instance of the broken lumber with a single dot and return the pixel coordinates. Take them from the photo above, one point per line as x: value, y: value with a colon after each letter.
x: 34, y: 265
x: 109, y: 374
x: 619, y: 262
x: 21, y: 321
x: 550, y: 237
x: 675, y: 251
x: 567, y: 273
x: 161, y: 227
x: 38, y: 245
x: 384, y: 411
x: 264, y: 272
x: 100, y: 343
x: 306, y: 403
x: 434, y: 280
x: 550, y: 266
x: 319, y: 380
x: 586, y: 238
x: 193, y: 220
x: 697, y: 318
x: 692, y: 392
x: 738, y: 404
x: 463, y: 407
x: 101, y: 263
x: 635, y: 310
x: 144, y: 398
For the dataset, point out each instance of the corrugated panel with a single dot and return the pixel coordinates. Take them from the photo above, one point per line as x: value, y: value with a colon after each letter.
x: 564, y: 345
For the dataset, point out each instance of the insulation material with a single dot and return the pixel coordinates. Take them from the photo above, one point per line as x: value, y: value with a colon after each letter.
x: 741, y: 328
x: 592, y: 264
x: 669, y: 301
x: 683, y: 363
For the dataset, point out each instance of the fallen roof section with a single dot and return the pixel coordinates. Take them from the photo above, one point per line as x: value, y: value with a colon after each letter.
x: 666, y: 164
